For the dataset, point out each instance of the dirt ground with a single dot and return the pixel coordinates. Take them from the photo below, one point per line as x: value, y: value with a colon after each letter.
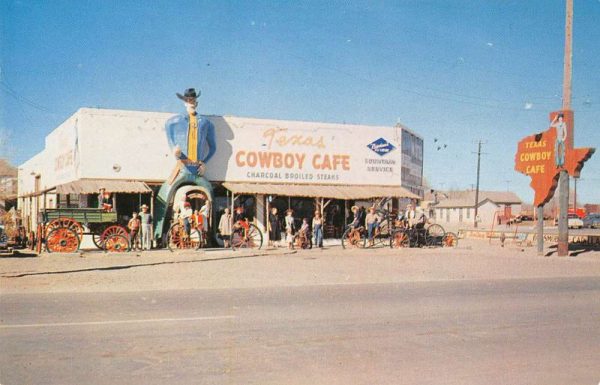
x: 162, y: 270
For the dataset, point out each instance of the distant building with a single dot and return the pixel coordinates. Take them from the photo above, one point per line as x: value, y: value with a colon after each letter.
x: 592, y: 208
x: 458, y: 207
x: 8, y: 186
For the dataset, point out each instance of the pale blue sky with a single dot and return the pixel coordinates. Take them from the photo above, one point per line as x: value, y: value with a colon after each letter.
x: 458, y: 71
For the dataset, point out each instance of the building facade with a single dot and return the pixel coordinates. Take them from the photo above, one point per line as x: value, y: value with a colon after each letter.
x: 260, y: 159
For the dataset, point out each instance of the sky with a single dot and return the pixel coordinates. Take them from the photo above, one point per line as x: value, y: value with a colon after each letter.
x: 456, y: 72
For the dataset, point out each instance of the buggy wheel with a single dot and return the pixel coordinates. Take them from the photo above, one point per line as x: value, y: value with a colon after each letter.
x: 434, y: 235
x: 352, y: 238
x: 177, y: 239
x: 116, y: 243
x: 450, y: 240
x: 251, y: 238
x: 62, y: 240
x: 399, y: 239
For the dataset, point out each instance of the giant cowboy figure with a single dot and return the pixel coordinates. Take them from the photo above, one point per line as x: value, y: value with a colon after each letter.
x: 192, y: 139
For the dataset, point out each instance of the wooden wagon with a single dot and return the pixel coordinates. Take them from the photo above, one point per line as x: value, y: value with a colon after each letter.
x: 63, y: 229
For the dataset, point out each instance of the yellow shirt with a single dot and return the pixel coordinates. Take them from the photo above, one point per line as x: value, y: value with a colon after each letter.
x: 193, y: 139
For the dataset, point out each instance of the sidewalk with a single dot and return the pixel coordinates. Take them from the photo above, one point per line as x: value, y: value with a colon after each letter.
x: 218, y: 268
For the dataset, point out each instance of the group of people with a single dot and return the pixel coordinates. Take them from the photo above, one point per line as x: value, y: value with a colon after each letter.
x: 140, y: 229
x: 372, y: 220
x: 276, y: 229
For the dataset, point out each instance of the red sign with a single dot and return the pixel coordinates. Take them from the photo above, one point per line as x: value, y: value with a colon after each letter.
x: 543, y: 156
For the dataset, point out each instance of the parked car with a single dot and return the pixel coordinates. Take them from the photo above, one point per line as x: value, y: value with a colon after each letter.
x: 592, y: 221
x: 573, y: 221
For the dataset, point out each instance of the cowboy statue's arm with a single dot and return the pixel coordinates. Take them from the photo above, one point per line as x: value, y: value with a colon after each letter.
x: 210, y: 141
x: 170, y: 127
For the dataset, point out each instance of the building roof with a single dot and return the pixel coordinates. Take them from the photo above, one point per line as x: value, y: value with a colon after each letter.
x: 93, y: 186
x: 320, y: 191
x: 6, y: 169
x: 467, y: 198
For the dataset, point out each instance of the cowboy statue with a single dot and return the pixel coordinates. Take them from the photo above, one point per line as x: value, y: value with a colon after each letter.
x: 191, y: 137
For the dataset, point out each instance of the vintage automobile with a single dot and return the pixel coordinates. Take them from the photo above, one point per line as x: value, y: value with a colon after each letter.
x: 592, y: 221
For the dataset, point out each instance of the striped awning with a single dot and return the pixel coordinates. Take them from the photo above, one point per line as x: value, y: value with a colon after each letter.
x: 320, y: 191
x: 93, y: 186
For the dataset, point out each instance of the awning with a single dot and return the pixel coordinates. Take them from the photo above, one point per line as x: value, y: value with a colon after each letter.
x: 320, y: 191
x: 92, y: 186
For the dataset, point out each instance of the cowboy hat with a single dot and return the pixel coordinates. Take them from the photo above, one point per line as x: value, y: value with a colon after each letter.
x: 353, y: 208
x: 144, y: 206
x: 190, y: 93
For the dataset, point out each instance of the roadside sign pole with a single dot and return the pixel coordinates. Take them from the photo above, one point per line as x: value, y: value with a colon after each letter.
x: 563, y: 184
x: 540, y: 229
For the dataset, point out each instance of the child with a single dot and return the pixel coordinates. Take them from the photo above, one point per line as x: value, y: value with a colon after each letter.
x: 134, y: 230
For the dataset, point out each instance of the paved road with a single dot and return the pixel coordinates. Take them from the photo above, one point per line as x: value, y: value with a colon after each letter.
x: 530, y: 331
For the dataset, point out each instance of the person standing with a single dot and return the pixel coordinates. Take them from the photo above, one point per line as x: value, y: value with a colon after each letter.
x: 371, y: 223
x: 204, y: 214
x: 274, y: 227
x: 146, y: 223
x: 410, y: 216
x: 186, y: 216
x: 225, y: 228
x: 134, y: 231
x: 289, y: 228
x: 317, y: 228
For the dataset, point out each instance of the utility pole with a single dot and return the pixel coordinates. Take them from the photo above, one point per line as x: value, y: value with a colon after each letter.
x: 563, y: 184
x: 477, y: 185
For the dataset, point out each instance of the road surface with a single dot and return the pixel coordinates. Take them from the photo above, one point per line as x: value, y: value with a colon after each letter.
x: 503, y: 331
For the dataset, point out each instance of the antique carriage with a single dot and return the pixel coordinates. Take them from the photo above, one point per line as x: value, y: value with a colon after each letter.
x: 62, y: 230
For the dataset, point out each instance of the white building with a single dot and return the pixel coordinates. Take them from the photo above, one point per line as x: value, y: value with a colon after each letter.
x: 458, y: 207
x: 127, y: 152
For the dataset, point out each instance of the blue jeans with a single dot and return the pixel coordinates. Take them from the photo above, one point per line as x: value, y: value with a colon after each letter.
x: 372, y: 226
x: 318, y: 230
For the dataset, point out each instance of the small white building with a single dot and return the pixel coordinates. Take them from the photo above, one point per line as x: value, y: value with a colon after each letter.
x: 458, y: 207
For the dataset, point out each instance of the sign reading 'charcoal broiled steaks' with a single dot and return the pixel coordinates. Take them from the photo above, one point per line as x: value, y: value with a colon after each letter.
x: 543, y: 156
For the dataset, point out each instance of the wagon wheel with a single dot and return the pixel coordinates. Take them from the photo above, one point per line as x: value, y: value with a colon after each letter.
x: 434, y: 235
x: 69, y: 223
x: 178, y: 239
x: 97, y: 239
x: 352, y: 238
x: 62, y: 240
x: 251, y: 238
x: 112, y: 230
x: 115, y: 243
x: 450, y: 240
x: 399, y: 239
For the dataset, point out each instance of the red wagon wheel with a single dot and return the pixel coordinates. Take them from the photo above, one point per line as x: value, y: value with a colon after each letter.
x: 69, y: 223
x: 62, y: 240
x: 113, y: 230
x: 450, y: 240
x: 399, y: 239
x: 116, y: 243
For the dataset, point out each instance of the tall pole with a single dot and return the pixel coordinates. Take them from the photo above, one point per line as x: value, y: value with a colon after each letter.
x: 477, y: 186
x: 563, y: 184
